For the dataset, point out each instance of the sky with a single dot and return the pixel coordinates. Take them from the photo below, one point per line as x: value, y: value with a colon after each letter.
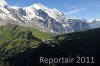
x: 89, y: 9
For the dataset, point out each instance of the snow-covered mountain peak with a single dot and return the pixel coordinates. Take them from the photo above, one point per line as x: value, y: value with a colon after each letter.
x: 74, y: 18
x: 3, y: 3
x: 40, y: 9
x: 97, y: 20
x: 39, y: 6
x: 14, y: 7
x: 90, y: 20
x: 54, y: 9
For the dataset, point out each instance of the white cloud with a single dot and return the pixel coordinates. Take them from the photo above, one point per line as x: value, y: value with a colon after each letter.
x: 71, y: 6
x: 74, y: 11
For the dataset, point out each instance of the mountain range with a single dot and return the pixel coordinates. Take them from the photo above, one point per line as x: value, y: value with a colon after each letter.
x: 43, y: 18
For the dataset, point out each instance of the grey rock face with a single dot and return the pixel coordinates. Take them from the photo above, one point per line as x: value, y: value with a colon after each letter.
x: 77, y: 24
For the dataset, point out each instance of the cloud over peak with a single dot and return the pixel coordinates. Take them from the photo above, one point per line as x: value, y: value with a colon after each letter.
x: 74, y: 11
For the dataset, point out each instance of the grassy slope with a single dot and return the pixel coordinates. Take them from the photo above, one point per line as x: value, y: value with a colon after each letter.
x: 14, y: 32
x: 15, y: 39
x: 6, y: 30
